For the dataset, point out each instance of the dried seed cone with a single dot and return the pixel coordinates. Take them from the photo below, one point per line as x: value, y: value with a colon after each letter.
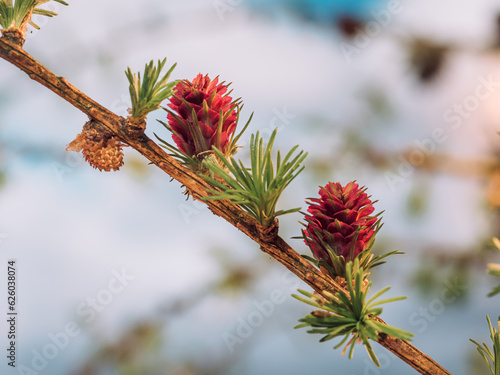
x: 99, y: 150
x: 107, y: 158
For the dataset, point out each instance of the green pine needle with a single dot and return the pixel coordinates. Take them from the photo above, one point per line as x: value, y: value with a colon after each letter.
x: 256, y: 190
x: 147, y: 94
x: 494, y: 269
x: 486, y: 353
x: 345, y: 315
x: 190, y: 162
x: 367, y: 260
x: 17, y: 14
x: 195, y: 162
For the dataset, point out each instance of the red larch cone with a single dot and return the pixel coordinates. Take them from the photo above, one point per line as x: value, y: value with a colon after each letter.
x: 339, y: 220
x: 202, y: 115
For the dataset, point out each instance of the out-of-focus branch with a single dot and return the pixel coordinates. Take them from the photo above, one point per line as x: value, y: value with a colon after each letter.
x: 197, y: 187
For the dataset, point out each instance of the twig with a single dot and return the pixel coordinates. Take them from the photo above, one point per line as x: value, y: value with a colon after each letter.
x: 197, y: 187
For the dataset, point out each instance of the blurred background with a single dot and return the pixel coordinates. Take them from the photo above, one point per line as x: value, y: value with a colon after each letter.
x: 119, y: 274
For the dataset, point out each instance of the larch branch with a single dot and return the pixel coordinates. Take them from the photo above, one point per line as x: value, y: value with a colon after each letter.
x: 197, y: 187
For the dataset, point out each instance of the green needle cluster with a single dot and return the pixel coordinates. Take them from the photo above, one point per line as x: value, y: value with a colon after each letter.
x: 17, y: 14
x: 350, y: 315
x: 147, y: 95
x: 194, y: 162
x: 256, y: 190
x: 367, y: 261
x: 486, y: 353
x: 494, y: 269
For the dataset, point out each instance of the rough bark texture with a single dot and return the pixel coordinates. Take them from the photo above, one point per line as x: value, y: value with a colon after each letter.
x: 197, y: 187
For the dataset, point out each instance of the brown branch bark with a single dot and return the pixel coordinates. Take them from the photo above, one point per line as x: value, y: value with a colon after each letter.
x: 277, y: 248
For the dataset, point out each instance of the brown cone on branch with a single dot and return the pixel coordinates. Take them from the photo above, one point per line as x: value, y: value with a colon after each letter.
x: 99, y: 149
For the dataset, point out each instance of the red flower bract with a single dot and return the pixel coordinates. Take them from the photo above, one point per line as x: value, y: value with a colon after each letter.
x: 202, y: 115
x: 340, y: 219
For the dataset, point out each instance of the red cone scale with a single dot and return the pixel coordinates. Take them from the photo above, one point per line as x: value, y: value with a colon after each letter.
x: 339, y: 219
x: 202, y: 115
